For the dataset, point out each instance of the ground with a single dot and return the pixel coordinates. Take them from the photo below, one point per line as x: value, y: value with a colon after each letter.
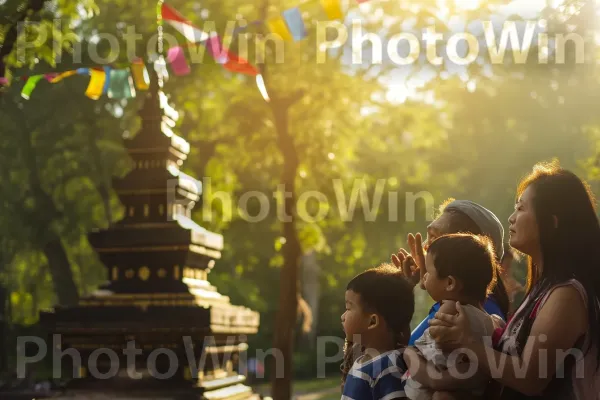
x: 316, y: 389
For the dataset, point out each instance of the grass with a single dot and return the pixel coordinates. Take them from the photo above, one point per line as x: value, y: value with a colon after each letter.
x: 315, y: 385
x: 331, y: 396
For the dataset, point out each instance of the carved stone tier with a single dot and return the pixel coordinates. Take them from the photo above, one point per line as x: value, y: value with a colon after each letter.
x: 156, y: 257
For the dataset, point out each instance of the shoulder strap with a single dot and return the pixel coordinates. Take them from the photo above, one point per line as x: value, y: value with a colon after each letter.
x: 572, y: 282
x: 537, y: 306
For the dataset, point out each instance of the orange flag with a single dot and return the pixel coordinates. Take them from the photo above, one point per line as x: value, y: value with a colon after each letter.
x: 240, y: 65
x: 140, y: 75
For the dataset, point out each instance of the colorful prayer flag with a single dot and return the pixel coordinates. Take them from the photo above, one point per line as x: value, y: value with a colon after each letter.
x: 107, y: 80
x: 121, y: 84
x: 215, y: 48
x: 295, y: 23
x: 182, y: 25
x: 332, y: 8
x: 179, y: 64
x: 160, y: 66
x: 140, y: 75
x: 31, y: 83
x: 262, y: 88
x: 50, y: 76
x: 277, y: 26
x: 62, y: 76
x: 3, y: 80
x: 239, y: 65
x: 96, y: 85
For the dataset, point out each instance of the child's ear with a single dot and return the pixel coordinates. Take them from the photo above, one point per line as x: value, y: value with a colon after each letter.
x: 452, y: 284
x: 373, y: 321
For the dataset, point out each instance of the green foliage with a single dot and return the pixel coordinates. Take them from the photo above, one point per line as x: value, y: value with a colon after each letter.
x: 59, y: 157
x: 41, y: 36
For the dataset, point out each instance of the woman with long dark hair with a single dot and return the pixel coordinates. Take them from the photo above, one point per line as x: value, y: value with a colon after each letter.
x: 550, y: 348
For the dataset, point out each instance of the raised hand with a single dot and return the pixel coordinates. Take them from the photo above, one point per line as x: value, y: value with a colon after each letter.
x: 398, y: 258
x: 415, y: 242
x: 407, y: 264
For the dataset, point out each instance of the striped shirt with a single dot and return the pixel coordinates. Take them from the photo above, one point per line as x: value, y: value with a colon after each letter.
x: 378, y: 378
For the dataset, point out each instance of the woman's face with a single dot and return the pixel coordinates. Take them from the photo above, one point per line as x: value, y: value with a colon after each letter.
x: 523, y: 229
x: 437, y: 228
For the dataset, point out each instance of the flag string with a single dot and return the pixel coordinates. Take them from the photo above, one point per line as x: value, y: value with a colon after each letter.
x: 119, y: 79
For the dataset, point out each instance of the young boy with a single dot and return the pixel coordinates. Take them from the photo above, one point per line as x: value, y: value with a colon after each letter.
x: 379, y: 308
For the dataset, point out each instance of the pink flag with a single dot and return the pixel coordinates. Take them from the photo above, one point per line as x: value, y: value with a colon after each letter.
x: 215, y: 48
x: 3, y: 80
x: 176, y: 57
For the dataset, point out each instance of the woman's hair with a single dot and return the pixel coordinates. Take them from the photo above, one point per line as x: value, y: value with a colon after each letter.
x: 569, y: 234
x: 459, y: 222
x: 468, y: 258
x: 385, y: 291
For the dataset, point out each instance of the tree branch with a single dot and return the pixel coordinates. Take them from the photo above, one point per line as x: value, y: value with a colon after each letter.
x: 11, y: 35
x: 293, y: 98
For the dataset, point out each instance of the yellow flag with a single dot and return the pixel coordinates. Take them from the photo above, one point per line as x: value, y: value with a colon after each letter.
x: 332, y: 8
x: 96, y: 85
x: 62, y: 76
x: 278, y: 26
x: 140, y: 75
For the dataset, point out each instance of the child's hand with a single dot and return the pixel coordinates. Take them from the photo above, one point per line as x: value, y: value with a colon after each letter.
x: 406, y: 263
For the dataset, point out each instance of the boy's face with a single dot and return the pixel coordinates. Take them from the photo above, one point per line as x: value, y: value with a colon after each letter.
x: 436, y: 287
x: 355, y: 320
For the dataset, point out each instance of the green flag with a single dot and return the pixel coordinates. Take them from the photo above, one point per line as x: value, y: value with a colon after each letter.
x: 121, y: 84
x: 30, y: 85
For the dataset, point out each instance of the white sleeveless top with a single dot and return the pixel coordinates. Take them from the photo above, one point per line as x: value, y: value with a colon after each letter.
x: 585, y: 378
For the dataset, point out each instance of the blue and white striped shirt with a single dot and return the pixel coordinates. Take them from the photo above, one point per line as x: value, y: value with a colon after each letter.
x: 379, y: 378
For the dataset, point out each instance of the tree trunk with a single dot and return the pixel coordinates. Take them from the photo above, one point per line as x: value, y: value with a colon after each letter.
x: 4, y: 299
x: 288, y: 288
x: 104, y: 193
x: 103, y: 182
x: 60, y: 268
x: 47, y: 238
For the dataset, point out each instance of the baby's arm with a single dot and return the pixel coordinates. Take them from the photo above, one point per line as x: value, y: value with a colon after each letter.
x: 448, y: 307
x: 428, y: 375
